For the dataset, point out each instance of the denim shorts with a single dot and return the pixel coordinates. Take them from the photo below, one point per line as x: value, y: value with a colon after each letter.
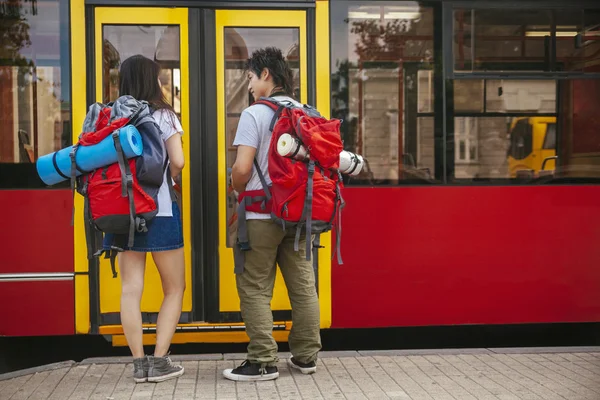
x: 164, y: 233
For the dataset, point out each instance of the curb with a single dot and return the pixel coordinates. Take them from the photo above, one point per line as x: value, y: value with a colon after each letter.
x: 35, y: 370
x: 323, y: 354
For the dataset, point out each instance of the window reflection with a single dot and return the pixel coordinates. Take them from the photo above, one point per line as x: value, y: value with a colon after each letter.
x: 523, y: 40
x: 156, y: 42
x: 531, y: 131
x: 488, y: 146
x: 34, y: 80
x: 504, y: 96
x: 578, y: 137
x: 382, y: 87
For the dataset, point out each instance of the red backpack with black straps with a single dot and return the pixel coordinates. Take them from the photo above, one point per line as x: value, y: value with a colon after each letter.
x: 304, y: 193
x: 120, y: 198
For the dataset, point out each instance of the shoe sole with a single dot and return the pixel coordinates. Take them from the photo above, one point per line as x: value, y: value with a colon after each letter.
x: 140, y: 380
x: 305, y: 371
x: 249, y: 378
x: 162, y: 378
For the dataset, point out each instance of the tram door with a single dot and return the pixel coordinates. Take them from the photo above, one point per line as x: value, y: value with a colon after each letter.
x: 172, y: 38
x: 239, y: 33
x: 159, y: 34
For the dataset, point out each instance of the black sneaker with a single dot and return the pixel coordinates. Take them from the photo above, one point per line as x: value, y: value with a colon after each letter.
x: 308, y: 368
x: 251, y: 372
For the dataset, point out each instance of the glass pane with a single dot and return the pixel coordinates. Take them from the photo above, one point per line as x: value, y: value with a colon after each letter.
x: 579, y: 138
x: 482, y: 147
x: 468, y: 95
x: 462, y: 154
x: 504, y: 147
x: 424, y: 163
x: 500, y: 39
x: 472, y: 151
x: 240, y: 43
x: 379, y: 131
x: 382, y: 55
x: 425, y: 91
x: 35, y: 100
x: 550, y: 139
x: 156, y: 42
x: 578, y: 40
x: 521, y: 96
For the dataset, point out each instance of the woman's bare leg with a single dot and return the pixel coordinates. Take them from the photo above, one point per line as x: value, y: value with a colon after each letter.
x: 171, y: 267
x: 132, y: 266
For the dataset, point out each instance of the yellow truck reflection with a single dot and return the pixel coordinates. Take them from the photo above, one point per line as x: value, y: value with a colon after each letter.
x: 532, y: 148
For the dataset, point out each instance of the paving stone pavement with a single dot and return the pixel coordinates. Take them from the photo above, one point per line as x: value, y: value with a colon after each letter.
x: 469, y: 374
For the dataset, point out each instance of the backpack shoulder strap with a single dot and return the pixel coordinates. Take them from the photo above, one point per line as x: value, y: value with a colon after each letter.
x: 274, y: 105
x: 267, y: 101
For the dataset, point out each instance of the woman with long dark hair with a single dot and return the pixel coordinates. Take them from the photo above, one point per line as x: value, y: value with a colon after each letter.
x: 139, y: 77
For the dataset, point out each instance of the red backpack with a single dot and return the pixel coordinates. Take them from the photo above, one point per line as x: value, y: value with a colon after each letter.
x: 120, y: 198
x: 305, y: 194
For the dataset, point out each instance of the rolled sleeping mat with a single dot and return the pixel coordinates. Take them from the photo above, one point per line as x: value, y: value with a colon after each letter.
x: 289, y: 146
x: 56, y: 167
x: 351, y: 163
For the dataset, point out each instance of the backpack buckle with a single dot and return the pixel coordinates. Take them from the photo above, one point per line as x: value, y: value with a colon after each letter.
x: 244, y: 246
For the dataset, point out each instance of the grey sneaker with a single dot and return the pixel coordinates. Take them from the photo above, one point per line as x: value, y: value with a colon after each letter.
x: 140, y: 369
x: 162, y: 368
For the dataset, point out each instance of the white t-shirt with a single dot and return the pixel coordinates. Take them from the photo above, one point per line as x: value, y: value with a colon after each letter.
x: 169, y: 125
x: 253, y: 130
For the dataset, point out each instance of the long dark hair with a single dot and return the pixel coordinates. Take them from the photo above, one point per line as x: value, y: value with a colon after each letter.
x: 139, y: 78
x: 272, y: 59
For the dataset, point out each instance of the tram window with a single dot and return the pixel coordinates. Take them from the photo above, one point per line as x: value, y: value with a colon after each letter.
x: 382, y: 88
x: 156, y: 42
x: 525, y: 96
x: 468, y: 96
x: 498, y: 39
x: 425, y: 85
x: 579, y: 139
x: 550, y: 139
x: 35, y: 100
x: 239, y: 45
x: 513, y: 39
x: 500, y: 127
x: 578, y: 40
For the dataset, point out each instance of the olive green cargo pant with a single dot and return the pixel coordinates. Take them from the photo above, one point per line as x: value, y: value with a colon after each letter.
x: 271, y: 245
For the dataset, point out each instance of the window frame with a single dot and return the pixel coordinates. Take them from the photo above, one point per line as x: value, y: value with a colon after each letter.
x: 434, y: 177
x: 448, y: 8
x: 24, y: 176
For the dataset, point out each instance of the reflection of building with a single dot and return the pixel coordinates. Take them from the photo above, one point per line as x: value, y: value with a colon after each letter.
x: 392, y: 101
x: 480, y: 141
x: 158, y: 43
x: 34, y: 89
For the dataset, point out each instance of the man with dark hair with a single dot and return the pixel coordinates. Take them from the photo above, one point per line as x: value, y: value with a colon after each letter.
x: 270, y: 76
